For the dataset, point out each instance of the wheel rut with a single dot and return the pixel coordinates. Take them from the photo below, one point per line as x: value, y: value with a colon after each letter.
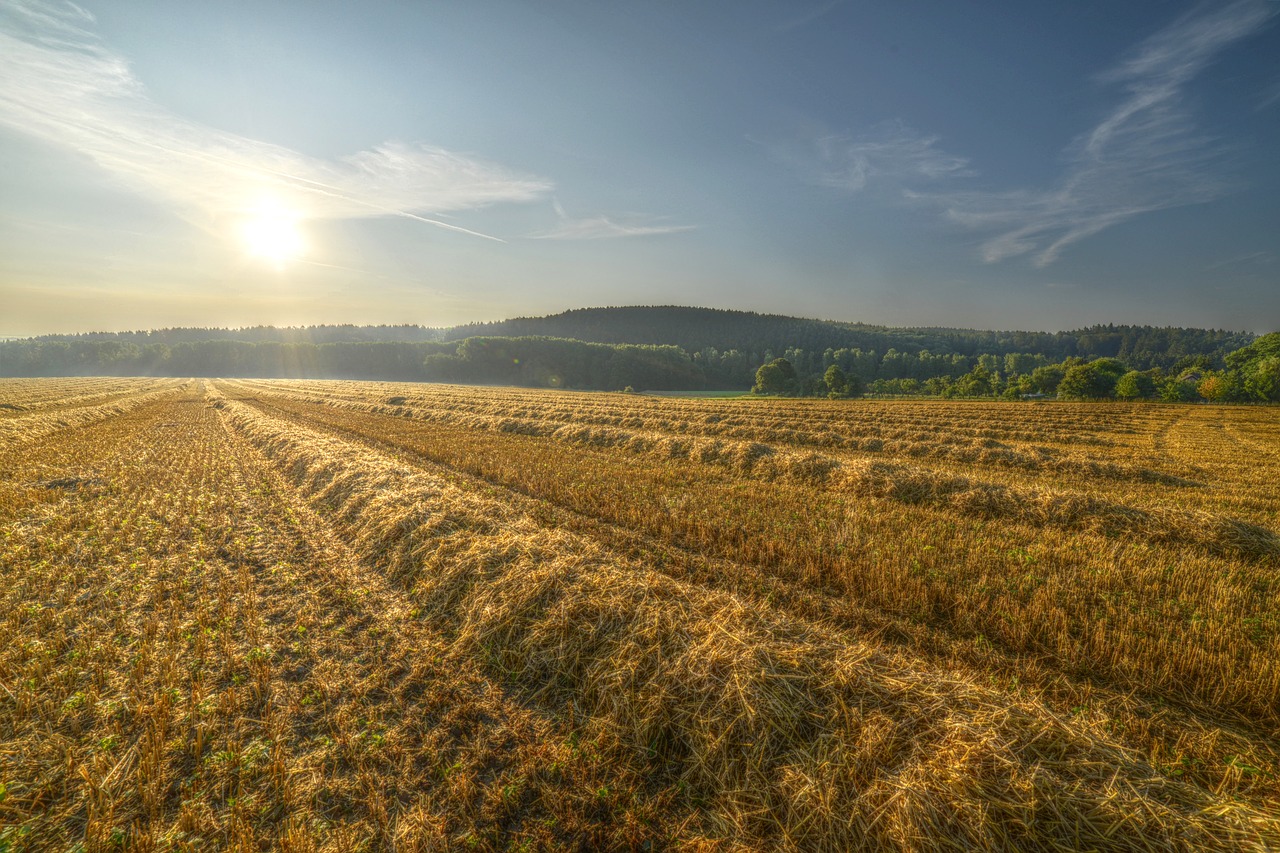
x: 190, y: 647
x: 1061, y: 687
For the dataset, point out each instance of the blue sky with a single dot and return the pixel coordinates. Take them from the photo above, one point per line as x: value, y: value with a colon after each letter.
x: 989, y: 165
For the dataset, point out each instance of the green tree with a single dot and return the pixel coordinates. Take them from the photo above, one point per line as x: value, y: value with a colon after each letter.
x: 776, y: 377
x: 1257, y: 368
x: 1046, y: 378
x: 1178, y: 391
x: 1263, y: 378
x: 1094, y: 381
x: 837, y: 383
x: 853, y: 384
x: 1267, y: 345
x: 975, y: 383
x: 1111, y: 367
x: 1135, y: 386
x: 937, y: 386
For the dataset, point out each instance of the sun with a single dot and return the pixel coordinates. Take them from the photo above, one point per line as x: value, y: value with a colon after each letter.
x: 273, y: 234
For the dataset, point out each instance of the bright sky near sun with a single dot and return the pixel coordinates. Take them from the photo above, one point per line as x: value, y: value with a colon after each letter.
x: 979, y: 164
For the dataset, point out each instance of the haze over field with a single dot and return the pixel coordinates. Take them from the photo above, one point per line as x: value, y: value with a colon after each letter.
x: 993, y: 166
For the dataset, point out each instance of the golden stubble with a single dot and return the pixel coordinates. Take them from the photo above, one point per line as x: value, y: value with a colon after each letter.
x: 309, y: 615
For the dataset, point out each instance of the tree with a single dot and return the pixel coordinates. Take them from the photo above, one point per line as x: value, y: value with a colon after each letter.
x: 776, y: 377
x: 1046, y: 379
x: 1257, y: 367
x: 1077, y: 383
x: 837, y: 383
x: 1263, y: 378
x: 1267, y: 345
x: 975, y: 383
x: 1096, y: 380
x: 1112, y: 367
x: 1178, y: 391
x: 937, y: 386
x: 1220, y: 387
x: 1135, y: 386
x: 853, y: 385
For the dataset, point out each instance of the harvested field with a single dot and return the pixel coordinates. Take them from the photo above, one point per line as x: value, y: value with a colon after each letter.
x: 341, y: 615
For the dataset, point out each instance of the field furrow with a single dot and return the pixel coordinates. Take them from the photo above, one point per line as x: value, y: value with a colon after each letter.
x: 752, y: 709
x: 22, y: 396
x: 39, y: 422
x: 1201, y: 732
x: 191, y: 657
x: 687, y: 434
x: 913, y: 564
x: 337, y: 615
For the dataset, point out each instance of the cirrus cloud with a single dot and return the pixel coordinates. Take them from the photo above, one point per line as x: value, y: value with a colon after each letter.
x: 1146, y: 154
x: 606, y: 228
x: 61, y: 84
x: 889, y: 153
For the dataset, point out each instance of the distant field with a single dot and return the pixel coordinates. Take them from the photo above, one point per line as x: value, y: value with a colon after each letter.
x: 340, y: 616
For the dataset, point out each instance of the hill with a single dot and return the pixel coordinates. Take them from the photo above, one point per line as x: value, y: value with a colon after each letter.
x: 697, y: 329
x: 654, y: 347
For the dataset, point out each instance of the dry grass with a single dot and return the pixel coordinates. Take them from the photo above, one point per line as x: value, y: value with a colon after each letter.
x: 783, y: 728
x: 308, y: 616
x: 1069, y: 607
x: 30, y: 411
x: 192, y: 660
x: 949, y: 439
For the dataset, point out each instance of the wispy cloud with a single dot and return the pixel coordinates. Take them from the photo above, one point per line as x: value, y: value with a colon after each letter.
x: 60, y: 83
x: 890, y: 153
x: 813, y: 14
x: 606, y: 228
x: 1249, y: 259
x: 1270, y: 97
x: 1145, y: 155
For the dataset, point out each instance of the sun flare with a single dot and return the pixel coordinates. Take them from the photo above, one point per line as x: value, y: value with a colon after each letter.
x: 273, y: 234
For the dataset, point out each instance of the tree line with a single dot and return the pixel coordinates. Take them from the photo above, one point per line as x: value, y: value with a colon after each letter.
x: 96, y: 357
x: 733, y: 343
x: 685, y: 349
x: 345, y: 333
x: 535, y: 362
x: 1249, y: 374
x: 701, y: 329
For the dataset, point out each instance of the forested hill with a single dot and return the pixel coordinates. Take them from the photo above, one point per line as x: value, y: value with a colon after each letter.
x: 699, y: 329
x: 661, y: 347
x: 696, y: 329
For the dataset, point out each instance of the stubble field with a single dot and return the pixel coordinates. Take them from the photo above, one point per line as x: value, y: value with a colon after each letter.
x: 339, y: 616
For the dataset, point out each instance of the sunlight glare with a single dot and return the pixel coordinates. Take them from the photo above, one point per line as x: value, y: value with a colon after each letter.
x: 272, y: 233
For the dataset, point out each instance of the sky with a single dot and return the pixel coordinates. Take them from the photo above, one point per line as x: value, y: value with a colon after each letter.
x: 996, y: 165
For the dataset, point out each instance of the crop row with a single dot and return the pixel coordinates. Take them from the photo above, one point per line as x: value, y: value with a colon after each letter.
x: 785, y: 728
x: 249, y: 620
x: 191, y: 659
x: 42, y: 422
x: 639, y: 434
x: 18, y: 396
x: 969, y: 422
x: 1131, y: 596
